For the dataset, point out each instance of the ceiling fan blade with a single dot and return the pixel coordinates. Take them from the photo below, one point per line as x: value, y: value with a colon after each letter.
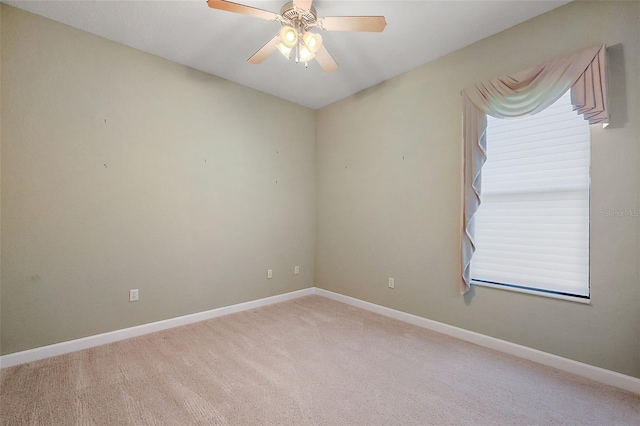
x: 242, y: 9
x: 264, y: 51
x: 303, y: 4
x: 353, y: 23
x: 325, y: 60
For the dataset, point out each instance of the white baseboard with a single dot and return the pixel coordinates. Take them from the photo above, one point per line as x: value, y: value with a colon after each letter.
x: 597, y: 374
x: 126, y: 333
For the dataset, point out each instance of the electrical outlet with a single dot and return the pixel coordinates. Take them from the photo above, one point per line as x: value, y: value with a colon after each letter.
x: 133, y: 295
x: 392, y: 283
x: 269, y: 274
x: 296, y: 270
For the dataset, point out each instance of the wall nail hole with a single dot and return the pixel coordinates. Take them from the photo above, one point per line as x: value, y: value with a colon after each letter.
x: 105, y: 164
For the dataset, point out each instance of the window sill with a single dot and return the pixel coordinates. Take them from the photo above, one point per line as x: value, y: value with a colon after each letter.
x: 534, y: 293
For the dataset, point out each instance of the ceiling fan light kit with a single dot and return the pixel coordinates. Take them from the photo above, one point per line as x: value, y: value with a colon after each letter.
x: 289, y: 36
x: 312, y: 41
x: 297, y: 18
x: 305, y: 47
x: 286, y: 51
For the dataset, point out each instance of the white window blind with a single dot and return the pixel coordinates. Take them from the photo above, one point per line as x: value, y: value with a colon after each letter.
x: 532, y: 227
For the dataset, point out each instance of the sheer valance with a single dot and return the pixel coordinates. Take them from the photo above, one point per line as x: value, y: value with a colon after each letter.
x: 517, y: 95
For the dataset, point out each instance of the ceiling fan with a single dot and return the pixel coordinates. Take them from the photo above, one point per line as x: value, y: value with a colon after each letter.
x: 298, y: 17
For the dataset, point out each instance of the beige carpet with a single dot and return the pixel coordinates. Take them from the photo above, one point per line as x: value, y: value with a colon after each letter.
x: 311, y: 361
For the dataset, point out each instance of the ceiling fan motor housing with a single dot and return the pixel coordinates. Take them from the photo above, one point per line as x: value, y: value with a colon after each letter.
x: 300, y: 19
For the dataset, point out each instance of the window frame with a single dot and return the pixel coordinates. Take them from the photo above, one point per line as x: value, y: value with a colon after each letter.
x: 583, y: 299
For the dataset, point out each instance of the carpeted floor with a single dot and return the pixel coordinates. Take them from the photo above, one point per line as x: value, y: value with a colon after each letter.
x: 310, y: 361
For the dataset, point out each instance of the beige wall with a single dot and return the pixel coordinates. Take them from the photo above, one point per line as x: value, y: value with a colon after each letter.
x: 124, y: 170
x: 389, y: 193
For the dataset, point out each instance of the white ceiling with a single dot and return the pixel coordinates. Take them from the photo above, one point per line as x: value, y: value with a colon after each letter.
x: 219, y: 42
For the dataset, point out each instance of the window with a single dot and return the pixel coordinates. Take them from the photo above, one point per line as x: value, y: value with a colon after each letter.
x: 532, y: 226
